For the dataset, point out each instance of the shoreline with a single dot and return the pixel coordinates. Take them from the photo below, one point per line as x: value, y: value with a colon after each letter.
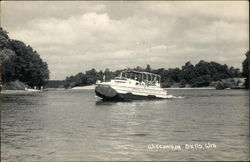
x: 192, y: 88
x: 13, y: 91
x: 89, y: 87
x: 92, y: 87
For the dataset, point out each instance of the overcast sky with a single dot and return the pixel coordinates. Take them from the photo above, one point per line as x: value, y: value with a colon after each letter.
x: 76, y: 36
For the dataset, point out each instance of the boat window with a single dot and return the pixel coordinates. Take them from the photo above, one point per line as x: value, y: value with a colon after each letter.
x: 146, y: 77
x: 120, y: 81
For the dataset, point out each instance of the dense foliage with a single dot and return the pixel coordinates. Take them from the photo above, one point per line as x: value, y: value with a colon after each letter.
x: 20, y: 62
x: 199, y: 75
x: 55, y: 84
x: 89, y: 77
x: 246, y: 69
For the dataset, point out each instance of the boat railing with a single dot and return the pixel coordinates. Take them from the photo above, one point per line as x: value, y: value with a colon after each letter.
x: 146, y: 77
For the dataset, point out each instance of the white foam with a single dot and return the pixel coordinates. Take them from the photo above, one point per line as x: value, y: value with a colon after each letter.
x: 172, y: 96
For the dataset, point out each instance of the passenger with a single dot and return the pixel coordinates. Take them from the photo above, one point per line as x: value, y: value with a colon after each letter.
x: 157, y: 84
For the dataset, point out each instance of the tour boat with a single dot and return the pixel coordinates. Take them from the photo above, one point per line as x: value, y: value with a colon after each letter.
x: 131, y: 85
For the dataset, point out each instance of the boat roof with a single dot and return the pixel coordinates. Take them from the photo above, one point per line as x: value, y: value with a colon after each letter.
x: 139, y: 72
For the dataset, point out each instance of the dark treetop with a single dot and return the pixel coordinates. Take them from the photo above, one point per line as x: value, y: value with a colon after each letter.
x: 19, y: 61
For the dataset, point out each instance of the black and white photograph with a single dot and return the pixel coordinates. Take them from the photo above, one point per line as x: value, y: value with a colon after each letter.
x: 124, y: 80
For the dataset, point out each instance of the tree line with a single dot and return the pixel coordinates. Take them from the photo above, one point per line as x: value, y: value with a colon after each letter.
x: 19, y: 61
x: 200, y: 75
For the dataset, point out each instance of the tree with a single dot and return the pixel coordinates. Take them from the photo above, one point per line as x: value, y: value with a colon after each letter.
x: 202, y: 81
x: 138, y: 68
x: 108, y: 74
x: 21, y: 62
x: 7, y: 60
x: 246, y: 69
x: 202, y: 68
x: 188, y: 72
x: 234, y: 72
x: 148, y: 68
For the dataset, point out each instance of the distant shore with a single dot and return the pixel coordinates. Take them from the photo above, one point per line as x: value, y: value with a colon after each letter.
x: 84, y: 87
x: 92, y: 87
x: 193, y: 88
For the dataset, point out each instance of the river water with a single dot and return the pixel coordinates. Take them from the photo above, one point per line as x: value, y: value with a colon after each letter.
x: 75, y: 125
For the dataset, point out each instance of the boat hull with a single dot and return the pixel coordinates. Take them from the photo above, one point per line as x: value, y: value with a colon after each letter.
x: 106, y: 92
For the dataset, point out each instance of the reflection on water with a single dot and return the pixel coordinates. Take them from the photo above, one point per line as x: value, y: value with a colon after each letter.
x: 76, y: 125
x: 103, y: 102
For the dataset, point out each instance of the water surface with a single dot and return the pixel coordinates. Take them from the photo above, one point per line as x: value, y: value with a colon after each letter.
x: 76, y: 125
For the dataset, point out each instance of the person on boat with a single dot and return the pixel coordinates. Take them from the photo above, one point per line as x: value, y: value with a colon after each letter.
x: 154, y: 81
x: 146, y: 82
x: 157, y: 84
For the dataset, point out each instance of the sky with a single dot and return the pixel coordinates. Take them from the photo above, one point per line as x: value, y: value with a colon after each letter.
x: 77, y: 36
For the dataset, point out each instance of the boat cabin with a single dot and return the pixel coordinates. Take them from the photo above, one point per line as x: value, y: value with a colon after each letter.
x: 140, y: 78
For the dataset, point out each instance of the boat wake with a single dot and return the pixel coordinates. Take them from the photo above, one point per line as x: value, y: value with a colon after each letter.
x: 174, y: 97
